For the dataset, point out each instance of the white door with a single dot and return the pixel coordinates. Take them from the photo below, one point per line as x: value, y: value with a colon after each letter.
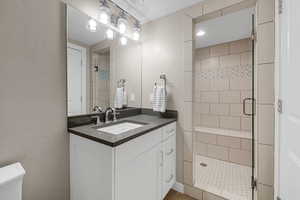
x: 74, y: 81
x: 289, y: 130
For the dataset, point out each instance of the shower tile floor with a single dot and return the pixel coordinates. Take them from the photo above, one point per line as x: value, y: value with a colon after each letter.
x: 227, y: 180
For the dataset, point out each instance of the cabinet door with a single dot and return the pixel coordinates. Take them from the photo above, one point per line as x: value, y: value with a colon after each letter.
x: 139, y: 178
x: 138, y: 164
x: 169, y: 165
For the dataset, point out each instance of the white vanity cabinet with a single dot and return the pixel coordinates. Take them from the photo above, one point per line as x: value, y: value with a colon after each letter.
x: 169, y: 158
x: 142, y: 168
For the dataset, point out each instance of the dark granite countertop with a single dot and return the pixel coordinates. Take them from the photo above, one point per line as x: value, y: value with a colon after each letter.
x: 150, y: 123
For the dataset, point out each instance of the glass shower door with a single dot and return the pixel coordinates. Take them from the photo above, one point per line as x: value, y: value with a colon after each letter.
x: 252, y: 101
x: 253, y: 38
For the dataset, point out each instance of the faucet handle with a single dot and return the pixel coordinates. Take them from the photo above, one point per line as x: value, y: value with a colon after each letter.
x: 97, y: 109
x: 115, y: 113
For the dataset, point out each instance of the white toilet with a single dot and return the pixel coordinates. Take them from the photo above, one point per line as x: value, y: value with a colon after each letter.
x: 11, y: 179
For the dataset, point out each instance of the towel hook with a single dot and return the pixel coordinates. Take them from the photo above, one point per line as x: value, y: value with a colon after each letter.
x: 121, y: 83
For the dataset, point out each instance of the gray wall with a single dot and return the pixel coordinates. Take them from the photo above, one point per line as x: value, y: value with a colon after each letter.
x: 33, y: 95
x: 162, y: 53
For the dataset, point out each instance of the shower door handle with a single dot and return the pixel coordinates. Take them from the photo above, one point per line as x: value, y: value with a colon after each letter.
x: 244, y: 106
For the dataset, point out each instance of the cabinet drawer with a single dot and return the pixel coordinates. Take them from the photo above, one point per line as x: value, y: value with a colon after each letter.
x: 169, y: 174
x: 169, y: 163
x: 169, y: 177
x: 169, y: 146
x: 169, y: 130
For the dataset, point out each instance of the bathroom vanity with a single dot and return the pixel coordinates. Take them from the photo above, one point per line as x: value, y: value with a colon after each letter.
x: 139, y: 163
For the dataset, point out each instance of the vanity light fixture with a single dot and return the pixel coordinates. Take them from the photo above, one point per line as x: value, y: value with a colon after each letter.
x: 201, y: 33
x: 92, y: 25
x: 110, y: 34
x: 119, y: 24
x: 123, y: 40
x: 104, y: 12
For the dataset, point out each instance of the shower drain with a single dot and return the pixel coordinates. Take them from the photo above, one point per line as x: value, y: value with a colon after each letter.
x: 203, y: 164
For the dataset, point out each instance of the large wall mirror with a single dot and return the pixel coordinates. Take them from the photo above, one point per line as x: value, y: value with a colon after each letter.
x: 102, y: 72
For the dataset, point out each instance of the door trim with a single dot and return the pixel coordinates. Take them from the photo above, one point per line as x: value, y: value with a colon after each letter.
x: 277, y: 97
x: 84, y: 73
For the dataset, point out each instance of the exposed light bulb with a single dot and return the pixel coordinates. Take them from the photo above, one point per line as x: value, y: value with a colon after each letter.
x: 104, y: 18
x: 104, y: 13
x: 201, y: 33
x: 122, y: 23
x: 92, y: 25
x: 122, y: 27
x: 136, y: 35
x: 136, y: 31
x: 123, y: 40
x: 110, y: 34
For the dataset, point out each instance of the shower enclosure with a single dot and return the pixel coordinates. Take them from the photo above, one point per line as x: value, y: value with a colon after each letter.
x: 224, y: 105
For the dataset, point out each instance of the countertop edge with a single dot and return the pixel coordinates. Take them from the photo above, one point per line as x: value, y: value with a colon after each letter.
x: 122, y: 141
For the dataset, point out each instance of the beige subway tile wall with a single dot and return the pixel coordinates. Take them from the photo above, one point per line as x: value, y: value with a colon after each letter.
x: 222, y: 79
x: 231, y: 149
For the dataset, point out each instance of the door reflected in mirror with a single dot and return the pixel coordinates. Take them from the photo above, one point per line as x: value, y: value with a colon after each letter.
x: 103, y: 71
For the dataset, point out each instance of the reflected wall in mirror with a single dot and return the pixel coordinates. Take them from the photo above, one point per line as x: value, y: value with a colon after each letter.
x: 101, y: 72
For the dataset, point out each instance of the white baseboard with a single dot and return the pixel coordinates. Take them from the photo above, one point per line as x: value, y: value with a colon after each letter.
x: 178, y: 187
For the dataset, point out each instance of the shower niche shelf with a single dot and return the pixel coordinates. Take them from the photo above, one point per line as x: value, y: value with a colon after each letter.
x: 224, y: 132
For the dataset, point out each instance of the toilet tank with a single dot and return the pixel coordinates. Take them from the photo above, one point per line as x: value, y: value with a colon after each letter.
x: 11, y: 179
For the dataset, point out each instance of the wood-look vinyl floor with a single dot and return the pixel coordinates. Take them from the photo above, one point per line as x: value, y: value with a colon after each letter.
x: 173, y: 195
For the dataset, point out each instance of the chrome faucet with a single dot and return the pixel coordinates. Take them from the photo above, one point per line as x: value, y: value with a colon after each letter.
x: 113, y: 112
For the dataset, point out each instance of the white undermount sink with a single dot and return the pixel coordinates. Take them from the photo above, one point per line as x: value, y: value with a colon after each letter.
x: 119, y: 128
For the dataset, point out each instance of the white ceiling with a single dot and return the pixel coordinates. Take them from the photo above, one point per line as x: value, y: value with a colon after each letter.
x: 143, y: 10
x: 146, y: 10
x: 224, y: 29
x: 77, y: 28
x: 220, y: 30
